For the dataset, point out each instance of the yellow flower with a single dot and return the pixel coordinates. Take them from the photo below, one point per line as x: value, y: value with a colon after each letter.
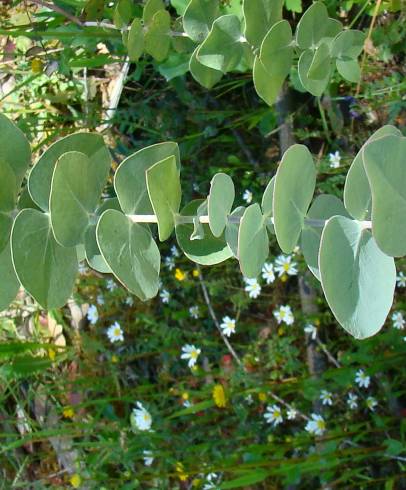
x: 219, y: 396
x: 36, y: 65
x: 262, y: 396
x: 114, y: 359
x: 68, y: 412
x: 281, y: 331
x: 196, y: 273
x: 317, y: 322
x: 180, y: 470
x: 185, y: 396
x: 51, y: 354
x: 196, y: 482
x: 284, y: 277
x: 180, y: 275
x: 75, y: 481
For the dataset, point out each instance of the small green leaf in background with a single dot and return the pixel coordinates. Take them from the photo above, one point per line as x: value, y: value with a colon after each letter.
x: 135, y: 42
x: 358, y: 279
x: 164, y: 190
x: 385, y: 166
x: 260, y: 16
x: 274, y: 61
x: 157, y: 39
x: 294, y: 5
x: 131, y: 253
x: 220, y: 202
x: 357, y: 192
x: 130, y: 181
x: 324, y: 207
x: 45, y: 269
x: 295, y: 182
x: 222, y: 49
x: 123, y: 13
x: 253, y: 242
x: 199, y: 17
x: 251, y: 477
x: 206, y: 251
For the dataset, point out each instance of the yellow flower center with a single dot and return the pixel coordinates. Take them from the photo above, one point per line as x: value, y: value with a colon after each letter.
x: 321, y: 424
x: 286, y: 267
x: 147, y: 417
x: 194, y: 354
x: 276, y: 414
x: 282, y: 313
x: 117, y: 332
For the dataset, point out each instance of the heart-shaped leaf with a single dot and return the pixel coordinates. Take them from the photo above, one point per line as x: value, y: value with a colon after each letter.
x: 130, y: 179
x: 253, y: 242
x: 357, y: 192
x: 220, y: 202
x: 92, y: 145
x: 324, y: 207
x: 358, y: 279
x: 165, y: 199
x: 203, y: 74
x: 75, y: 193
x: 260, y: 16
x: 45, y: 269
x: 199, y: 17
x: 295, y: 181
x: 131, y: 253
x: 274, y: 61
x: 385, y: 166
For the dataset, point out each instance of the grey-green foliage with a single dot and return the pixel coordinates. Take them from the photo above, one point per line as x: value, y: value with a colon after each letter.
x: 254, y: 37
x: 67, y: 220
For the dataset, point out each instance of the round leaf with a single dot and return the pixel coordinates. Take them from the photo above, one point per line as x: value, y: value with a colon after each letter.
x: 199, y: 17
x: 260, y: 16
x: 312, y: 26
x: 130, y: 181
x: 314, y: 86
x: 357, y: 192
x: 164, y: 190
x: 323, y: 208
x: 232, y: 229
x: 295, y: 181
x: 208, y: 251
x: 131, y: 253
x: 358, y: 279
x: 203, y: 74
x: 92, y: 145
x: 135, y: 42
x: 75, y: 192
x: 385, y: 166
x: 253, y: 242
x: 220, y: 202
x: 9, y: 284
x: 274, y: 62
x: 45, y: 269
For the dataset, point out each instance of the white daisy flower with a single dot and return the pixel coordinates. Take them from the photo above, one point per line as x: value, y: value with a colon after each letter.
x: 228, y: 326
x: 352, y: 401
x: 249, y: 399
x: 110, y: 285
x: 92, y: 314
x: 252, y: 287
x: 316, y: 425
x: 211, y: 482
x: 194, y: 312
x: 362, y: 379
x: 291, y: 413
x: 141, y: 418
x: 191, y: 353
x: 268, y: 273
x: 326, y: 397
x: 187, y: 403
x: 284, y: 314
x: 115, y: 333
x: 273, y: 415
x: 100, y: 299
x: 401, y: 280
x: 129, y: 301
x: 247, y: 196
x: 169, y: 262
x: 397, y: 320
x: 148, y: 457
x: 174, y: 251
x: 371, y: 403
x: 334, y: 159
x: 285, y: 265
x: 165, y: 296
x: 311, y: 330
